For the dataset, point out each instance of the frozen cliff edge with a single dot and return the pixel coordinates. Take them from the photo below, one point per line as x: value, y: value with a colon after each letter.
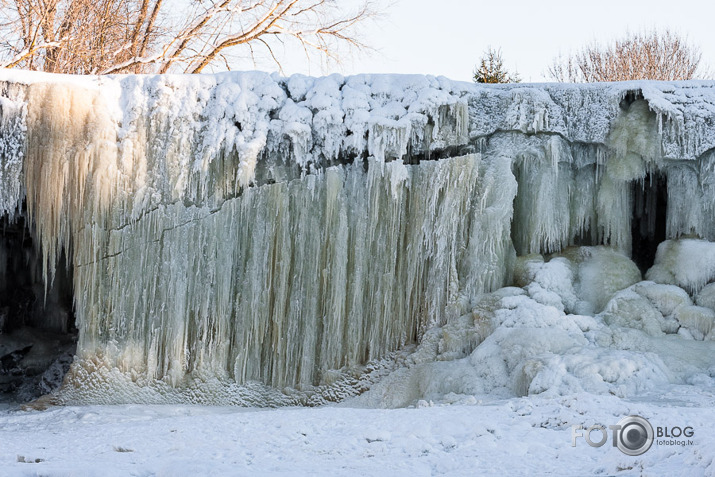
x: 249, y: 229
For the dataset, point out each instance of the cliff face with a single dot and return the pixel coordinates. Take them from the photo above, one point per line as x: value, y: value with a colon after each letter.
x: 249, y: 230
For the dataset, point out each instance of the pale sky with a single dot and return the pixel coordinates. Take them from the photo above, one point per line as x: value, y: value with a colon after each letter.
x: 447, y: 37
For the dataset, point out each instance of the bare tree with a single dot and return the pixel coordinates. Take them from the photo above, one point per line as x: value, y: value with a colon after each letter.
x: 139, y: 36
x: 491, y: 69
x: 656, y: 55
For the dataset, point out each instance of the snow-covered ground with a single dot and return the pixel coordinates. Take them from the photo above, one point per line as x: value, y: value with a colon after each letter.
x: 518, y: 436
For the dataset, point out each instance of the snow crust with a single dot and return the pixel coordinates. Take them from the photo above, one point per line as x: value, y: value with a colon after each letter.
x: 244, y: 238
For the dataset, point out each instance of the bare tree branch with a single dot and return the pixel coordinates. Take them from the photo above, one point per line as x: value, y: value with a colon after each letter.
x: 143, y: 36
x: 653, y: 56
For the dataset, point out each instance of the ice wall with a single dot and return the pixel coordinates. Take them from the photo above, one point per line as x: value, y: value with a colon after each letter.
x: 250, y: 228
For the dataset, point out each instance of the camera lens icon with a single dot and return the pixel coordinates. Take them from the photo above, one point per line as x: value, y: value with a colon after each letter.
x: 635, y: 436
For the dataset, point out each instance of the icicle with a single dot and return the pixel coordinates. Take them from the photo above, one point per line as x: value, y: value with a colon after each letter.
x: 684, y: 215
x: 322, y: 272
x: 12, y: 148
x: 70, y: 170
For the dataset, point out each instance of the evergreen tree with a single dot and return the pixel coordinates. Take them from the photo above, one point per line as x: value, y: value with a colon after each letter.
x: 491, y: 69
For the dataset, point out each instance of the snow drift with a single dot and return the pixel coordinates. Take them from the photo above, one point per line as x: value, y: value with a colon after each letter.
x: 247, y: 238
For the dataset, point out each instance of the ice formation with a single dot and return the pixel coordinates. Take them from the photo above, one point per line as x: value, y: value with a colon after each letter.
x: 527, y: 341
x: 245, y: 231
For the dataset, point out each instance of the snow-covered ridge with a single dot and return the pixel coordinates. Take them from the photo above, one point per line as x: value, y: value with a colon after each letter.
x: 245, y: 227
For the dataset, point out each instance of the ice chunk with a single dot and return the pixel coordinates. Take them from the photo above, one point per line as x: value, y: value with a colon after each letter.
x: 697, y: 319
x: 706, y: 296
x: 630, y: 310
x: 666, y: 298
x: 623, y: 373
x: 687, y: 263
x: 634, y: 137
x: 552, y: 284
x: 601, y: 273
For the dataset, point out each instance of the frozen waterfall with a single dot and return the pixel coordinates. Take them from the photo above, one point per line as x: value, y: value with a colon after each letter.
x: 248, y: 238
